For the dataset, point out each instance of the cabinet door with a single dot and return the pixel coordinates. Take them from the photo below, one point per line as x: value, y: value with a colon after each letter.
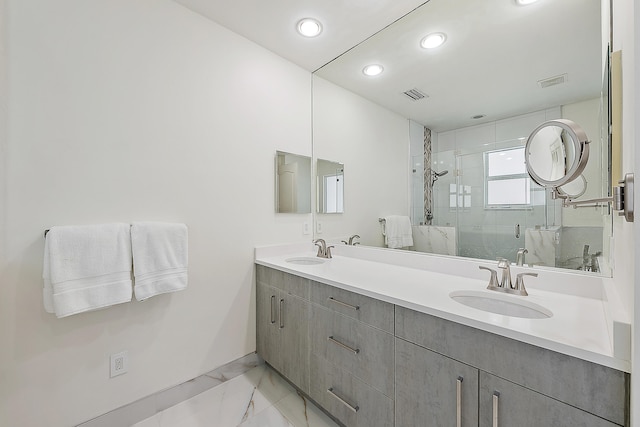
x: 268, y: 325
x: 504, y: 404
x: 434, y: 390
x: 294, y: 339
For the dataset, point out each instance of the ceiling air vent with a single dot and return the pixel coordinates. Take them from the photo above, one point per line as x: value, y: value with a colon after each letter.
x: 415, y: 94
x: 552, y: 81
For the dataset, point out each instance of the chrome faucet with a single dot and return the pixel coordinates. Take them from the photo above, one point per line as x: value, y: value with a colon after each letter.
x: 520, y: 256
x: 506, y: 285
x: 351, y: 240
x: 324, y: 251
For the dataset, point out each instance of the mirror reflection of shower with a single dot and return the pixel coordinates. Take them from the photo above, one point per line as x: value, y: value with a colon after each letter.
x: 435, y: 175
x: 429, y: 209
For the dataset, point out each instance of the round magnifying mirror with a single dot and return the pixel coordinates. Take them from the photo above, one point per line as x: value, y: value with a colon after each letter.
x: 575, y: 188
x: 556, y: 153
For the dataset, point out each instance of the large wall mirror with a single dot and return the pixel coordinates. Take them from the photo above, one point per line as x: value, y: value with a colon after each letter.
x: 470, y: 104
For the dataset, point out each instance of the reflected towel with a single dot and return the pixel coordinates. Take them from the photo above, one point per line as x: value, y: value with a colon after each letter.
x: 398, y: 231
x: 160, y: 258
x: 86, y: 268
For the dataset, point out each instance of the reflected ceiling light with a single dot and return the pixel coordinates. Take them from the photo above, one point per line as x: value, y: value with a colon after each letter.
x: 433, y: 40
x: 525, y: 2
x: 372, y: 70
x: 309, y: 27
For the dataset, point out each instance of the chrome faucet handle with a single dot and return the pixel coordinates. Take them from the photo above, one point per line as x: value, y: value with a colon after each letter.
x: 505, y: 282
x: 520, y: 289
x: 493, y: 281
x: 345, y: 242
x: 327, y: 253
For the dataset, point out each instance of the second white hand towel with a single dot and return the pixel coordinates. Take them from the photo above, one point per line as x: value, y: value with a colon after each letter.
x: 160, y: 258
x: 86, y: 267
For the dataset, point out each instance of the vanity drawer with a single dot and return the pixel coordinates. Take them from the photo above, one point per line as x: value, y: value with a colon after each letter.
x: 294, y: 285
x: 368, y: 310
x: 364, y: 351
x: 594, y: 388
x: 348, y: 399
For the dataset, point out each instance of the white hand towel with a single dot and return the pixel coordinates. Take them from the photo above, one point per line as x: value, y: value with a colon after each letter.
x: 398, y: 233
x: 86, y: 268
x: 160, y: 258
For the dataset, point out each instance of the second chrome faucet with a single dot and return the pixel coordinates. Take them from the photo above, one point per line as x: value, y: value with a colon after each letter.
x: 324, y: 251
x: 506, y: 284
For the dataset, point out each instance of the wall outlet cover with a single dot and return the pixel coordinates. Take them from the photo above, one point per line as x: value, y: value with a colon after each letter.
x: 119, y: 364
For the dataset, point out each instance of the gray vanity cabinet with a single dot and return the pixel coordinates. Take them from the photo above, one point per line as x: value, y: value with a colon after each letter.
x: 536, y: 386
x: 370, y: 363
x: 282, y: 324
x: 434, y: 390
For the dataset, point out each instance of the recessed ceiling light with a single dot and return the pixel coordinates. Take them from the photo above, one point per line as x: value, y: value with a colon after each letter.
x: 433, y: 40
x: 309, y: 27
x: 525, y: 2
x: 372, y: 70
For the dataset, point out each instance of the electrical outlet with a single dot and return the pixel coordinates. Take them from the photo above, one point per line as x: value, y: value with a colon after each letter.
x: 119, y: 364
x: 319, y: 227
x: 305, y: 228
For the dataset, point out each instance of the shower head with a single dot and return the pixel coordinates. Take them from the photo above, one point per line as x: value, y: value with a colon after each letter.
x: 435, y: 175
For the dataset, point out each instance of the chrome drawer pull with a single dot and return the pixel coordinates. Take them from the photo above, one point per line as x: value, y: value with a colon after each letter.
x: 281, y: 313
x: 353, y: 307
x: 346, y: 347
x: 496, y: 396
x: 459, y: 402
x: 273, y: 309
x: 344, y: 402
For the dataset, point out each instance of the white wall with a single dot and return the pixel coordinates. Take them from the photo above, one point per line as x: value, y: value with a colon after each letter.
x: 124, y: 111
x: 626, y: 24
x: 373, y: 144
x: 623, y: 232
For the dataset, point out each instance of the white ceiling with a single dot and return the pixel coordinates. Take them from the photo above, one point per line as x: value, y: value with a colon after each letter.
x: 495, y: 53
x: 272, y: 24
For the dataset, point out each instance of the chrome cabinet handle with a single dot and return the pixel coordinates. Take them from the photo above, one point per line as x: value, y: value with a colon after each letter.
x: 517, y: 231
x: 281, y: 313
x: 353, y: 307
x: 459, y: 402
x: 344, y: 402
x: 346, y: 347
x: 496, y: 396
x: 273, y: 309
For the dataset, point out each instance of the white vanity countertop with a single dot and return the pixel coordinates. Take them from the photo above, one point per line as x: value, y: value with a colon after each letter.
x: 577, y: 328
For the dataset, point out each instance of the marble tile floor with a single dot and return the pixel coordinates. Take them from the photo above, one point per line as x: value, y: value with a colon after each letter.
x: 258, y: 398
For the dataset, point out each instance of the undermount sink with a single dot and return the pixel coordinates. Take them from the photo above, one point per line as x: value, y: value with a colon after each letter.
x: 306, y: 260
x: 498, y: 303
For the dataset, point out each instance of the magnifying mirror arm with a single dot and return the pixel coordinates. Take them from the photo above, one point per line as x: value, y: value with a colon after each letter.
x: 567, y: 201
x: 622, y: 199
